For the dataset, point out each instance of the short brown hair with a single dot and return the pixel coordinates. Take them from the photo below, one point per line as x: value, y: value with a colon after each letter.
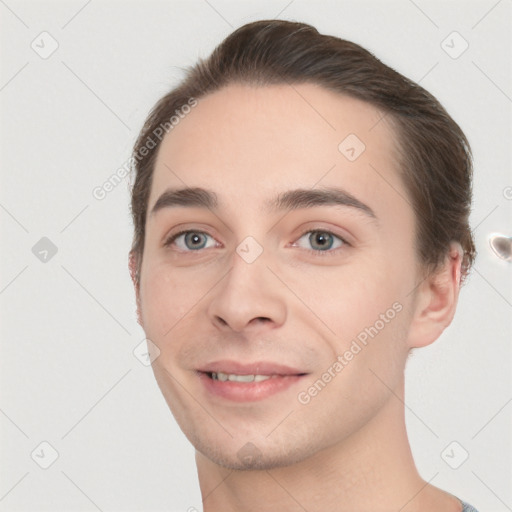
x: 435, y: 156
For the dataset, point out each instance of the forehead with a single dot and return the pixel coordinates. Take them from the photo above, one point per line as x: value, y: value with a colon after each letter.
x: 251, y: 141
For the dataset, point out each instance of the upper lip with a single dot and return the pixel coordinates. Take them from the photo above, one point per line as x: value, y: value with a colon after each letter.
x: 256, y: 368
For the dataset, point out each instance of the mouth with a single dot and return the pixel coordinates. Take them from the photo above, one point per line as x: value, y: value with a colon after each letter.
x: 246, y: 383
x: 233, y: 377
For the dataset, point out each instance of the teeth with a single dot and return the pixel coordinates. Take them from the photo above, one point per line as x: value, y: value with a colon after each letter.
x: 241, y: 378
x: 259, y: 378
x: 232, y: 377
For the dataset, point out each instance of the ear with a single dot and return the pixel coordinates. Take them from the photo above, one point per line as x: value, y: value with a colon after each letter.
x: 133, y: 265
x: 436, y: 301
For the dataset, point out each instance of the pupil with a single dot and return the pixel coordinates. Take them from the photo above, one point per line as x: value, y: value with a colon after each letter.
x: 194, y: 238
x: 322, y: 239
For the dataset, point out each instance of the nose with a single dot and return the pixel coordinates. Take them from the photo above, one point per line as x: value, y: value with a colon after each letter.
x: 250, y: 297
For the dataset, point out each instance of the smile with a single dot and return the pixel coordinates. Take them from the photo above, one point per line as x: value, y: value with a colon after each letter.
x: 239, y: 378
x: 233, y: 381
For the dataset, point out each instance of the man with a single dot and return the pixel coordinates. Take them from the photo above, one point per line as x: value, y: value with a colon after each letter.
x: 301, y: 223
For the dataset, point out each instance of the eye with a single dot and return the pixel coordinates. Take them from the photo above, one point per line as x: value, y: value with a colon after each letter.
x: 322, y: 241
x: 189, y: 240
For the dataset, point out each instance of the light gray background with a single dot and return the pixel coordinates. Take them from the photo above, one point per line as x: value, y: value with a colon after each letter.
x: 68, y: 326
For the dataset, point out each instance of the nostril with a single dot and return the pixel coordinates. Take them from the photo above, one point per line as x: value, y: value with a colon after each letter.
x: 221, y: 320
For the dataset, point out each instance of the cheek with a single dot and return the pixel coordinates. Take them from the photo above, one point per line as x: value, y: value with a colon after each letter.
x: 166, y: 299
x: 350, y: 297
x: 363, y: 313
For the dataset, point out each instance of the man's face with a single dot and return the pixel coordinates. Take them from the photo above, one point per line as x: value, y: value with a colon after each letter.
x: 278, y: 292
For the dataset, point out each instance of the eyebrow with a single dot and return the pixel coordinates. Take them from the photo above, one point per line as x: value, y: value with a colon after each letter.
x: 196, y: 197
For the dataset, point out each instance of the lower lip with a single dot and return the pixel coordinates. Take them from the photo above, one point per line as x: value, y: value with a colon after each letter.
x: 248, y: 391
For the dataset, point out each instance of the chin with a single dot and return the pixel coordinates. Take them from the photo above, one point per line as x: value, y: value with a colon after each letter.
x: 258, y: 454
x: 249, y: 459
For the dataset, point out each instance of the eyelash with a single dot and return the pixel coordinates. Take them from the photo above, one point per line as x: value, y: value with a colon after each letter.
x: 330, y: 252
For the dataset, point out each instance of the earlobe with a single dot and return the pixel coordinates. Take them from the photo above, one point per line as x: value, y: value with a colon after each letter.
x: 436, y: 301
x: 133, y: 265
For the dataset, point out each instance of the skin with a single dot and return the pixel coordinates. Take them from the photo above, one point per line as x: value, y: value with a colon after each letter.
x: 347, y: 449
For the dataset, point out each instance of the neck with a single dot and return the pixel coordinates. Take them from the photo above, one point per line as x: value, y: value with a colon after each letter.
x: 371, y: 471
